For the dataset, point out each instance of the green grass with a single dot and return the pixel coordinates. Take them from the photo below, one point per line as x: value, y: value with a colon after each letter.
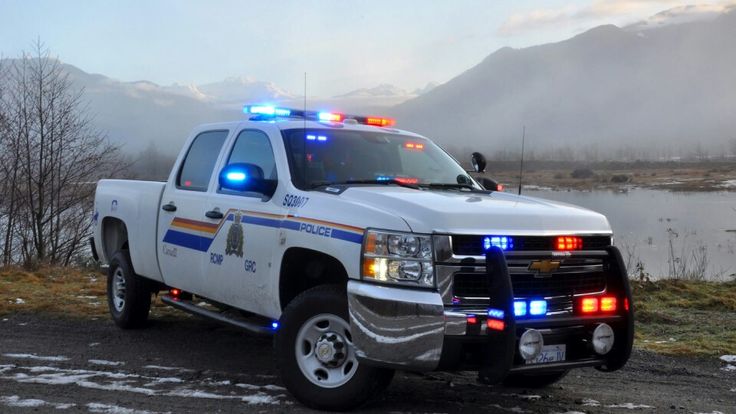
x: 672, y: 317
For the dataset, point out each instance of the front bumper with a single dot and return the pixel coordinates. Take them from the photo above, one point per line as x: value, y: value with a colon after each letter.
x: 415, y: 330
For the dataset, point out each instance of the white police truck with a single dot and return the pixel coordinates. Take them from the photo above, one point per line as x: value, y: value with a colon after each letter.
x: 364, y: 249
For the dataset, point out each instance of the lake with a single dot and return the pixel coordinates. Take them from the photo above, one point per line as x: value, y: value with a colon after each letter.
x: 652, y: 227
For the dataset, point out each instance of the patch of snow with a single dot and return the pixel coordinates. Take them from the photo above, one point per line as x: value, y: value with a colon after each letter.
x: 712, y: 412
x: 729, y: 368
x: 37, y: 357
x: 23, y: 324
x: 19, y: 301
x: 629, y: 406
x: 277, y: 388
x: 16, y: 401
x: 104, y: 362
x: 93, y: 344
x: 728, y: 358
x: 260, y: 398
x: 570, y: 412
x: 162, y: 368
x: 591, y: 403
x: 165, y: 380
x: 113, y: 409
x: 512, y: 409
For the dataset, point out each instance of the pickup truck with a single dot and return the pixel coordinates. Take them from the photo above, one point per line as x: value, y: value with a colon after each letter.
x: 364, y: 249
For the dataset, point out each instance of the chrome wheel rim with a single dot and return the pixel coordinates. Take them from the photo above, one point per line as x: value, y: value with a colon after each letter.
x: 325, y: 352
x: 118, y: 289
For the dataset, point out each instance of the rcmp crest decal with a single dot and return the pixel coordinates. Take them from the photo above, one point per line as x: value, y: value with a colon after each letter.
x: 235, y: 237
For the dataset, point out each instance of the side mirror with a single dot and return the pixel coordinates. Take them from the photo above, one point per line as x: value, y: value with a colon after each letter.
x: 490, y: 185
x: 479, y: 162
x: 244, y: 177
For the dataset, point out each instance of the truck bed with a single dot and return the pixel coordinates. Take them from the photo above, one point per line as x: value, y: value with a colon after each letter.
x: 137, y: 204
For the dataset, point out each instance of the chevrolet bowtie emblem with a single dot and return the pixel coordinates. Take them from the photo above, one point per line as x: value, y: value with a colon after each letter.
x: 544, y: 266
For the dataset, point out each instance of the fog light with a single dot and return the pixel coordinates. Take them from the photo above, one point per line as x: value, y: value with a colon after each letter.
x: 602, y: 339
x: 531, y: 344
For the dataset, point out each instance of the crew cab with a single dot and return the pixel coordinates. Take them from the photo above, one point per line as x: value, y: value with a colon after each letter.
x: 364, y: 249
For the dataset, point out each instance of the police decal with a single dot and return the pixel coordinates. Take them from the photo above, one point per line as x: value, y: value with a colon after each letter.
x: 234, y: 245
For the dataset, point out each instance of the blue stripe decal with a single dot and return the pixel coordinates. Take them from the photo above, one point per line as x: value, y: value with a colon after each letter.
x: 346, y: 235
x: 202, y: 244
x: 291, y: 225
x: 190, y: 241
x: 261, y: 221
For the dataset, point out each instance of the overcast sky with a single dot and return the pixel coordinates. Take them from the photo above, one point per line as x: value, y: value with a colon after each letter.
x: 342, y: 45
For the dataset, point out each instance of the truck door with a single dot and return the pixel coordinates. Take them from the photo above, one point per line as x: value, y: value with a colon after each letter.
x: 184, y: 232
x: 238, y: 264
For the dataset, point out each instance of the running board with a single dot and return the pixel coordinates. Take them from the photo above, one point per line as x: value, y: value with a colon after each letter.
x: 188, y: 306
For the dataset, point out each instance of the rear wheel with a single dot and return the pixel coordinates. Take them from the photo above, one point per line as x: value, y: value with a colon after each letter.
x: 533, y: 381
x: 316, y: 356
x: 128, y: 295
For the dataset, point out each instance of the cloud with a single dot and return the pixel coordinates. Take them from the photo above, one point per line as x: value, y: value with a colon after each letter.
x: 609, y: 11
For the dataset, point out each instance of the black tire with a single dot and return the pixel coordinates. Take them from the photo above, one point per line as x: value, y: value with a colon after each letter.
x: 533, y: 381
x: 136, y: 294
x: 365, y: 382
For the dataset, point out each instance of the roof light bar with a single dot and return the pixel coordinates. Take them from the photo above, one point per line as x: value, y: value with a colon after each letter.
x: 378, y: 121
x: 330, y: 117
x: 268, y: 111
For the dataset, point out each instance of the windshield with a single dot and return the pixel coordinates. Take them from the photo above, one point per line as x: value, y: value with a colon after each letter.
x: 325, y: 156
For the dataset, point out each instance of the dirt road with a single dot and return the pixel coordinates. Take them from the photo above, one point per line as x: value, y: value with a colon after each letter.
x: 190, y: 365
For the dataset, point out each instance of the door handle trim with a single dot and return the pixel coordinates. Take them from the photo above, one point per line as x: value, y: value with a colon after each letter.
x: 214, y: 214
x: 170, y: 207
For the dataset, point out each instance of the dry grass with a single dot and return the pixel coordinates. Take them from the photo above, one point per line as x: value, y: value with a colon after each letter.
x: 673, y: 316
x: 58, y: 291
x: 686, y: 317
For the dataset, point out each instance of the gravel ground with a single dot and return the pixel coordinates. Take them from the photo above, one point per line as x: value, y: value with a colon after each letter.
x: 189, y: 365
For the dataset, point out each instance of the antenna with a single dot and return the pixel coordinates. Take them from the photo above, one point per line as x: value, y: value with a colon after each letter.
x: 305, y: 103
x: 521, y: 164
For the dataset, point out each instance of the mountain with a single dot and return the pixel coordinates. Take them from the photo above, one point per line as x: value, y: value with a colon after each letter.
x: 667, y: 86
x: 382, y: 90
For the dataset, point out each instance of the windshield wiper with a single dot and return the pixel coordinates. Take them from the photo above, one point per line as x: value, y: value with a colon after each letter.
x: 382, y: 182
x: 450, y: 186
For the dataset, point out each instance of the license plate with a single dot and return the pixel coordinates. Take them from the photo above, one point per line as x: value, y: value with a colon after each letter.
x: 550, y: 353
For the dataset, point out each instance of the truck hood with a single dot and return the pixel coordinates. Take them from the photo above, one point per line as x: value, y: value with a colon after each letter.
x: 458, y: 212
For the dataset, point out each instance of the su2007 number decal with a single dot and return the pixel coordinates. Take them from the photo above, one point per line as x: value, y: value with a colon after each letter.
x: 294, y: 201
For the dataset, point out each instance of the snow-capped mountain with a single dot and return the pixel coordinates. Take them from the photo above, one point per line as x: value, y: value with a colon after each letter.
x: 672, y: 86
x: 683, y: 14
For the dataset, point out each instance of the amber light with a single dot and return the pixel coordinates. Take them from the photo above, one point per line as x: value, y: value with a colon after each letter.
x: 495, y: 325
x: 568, y: 243
x: 608, y: 304
x: 589, y: 305
x: 376, y: 121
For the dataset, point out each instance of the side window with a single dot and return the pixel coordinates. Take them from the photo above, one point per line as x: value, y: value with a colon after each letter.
x: 196, y: 170
x: 254, y: 147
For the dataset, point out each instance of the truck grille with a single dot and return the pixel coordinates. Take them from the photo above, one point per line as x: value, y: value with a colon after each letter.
x: 475, y: 285
x: 466, y: 245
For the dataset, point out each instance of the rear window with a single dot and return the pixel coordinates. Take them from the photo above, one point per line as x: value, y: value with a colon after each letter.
x: 196, y: 170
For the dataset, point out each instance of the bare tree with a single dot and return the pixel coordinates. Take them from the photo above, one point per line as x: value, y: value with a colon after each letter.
x: 52, y: 156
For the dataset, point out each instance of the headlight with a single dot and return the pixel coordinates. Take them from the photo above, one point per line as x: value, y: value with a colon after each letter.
x: 400, y: 258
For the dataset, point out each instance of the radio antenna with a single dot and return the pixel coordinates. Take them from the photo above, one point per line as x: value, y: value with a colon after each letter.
x: 305, y: 104
x: 521, y: 164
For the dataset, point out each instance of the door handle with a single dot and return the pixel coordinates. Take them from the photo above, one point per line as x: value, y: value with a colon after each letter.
x: 168, y: 207
x: 214, y: 214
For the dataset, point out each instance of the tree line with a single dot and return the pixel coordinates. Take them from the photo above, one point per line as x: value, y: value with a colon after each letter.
x: 51, y: 156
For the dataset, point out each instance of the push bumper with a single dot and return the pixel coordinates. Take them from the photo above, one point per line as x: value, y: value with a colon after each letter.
x: 413, y: 330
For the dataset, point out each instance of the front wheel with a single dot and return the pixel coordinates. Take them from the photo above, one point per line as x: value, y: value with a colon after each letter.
x: 128, y: 295
x: 316, y: 356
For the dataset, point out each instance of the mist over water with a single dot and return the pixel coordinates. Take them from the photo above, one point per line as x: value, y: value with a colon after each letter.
x: 653, y: 226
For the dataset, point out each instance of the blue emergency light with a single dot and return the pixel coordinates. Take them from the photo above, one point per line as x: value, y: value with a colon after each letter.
x: 536, y: 307
x: 502, y: 242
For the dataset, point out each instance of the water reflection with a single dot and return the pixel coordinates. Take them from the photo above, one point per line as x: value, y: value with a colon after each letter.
x: 698, y: 230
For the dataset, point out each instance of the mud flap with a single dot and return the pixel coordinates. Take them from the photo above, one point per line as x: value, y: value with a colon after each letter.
x: 499, y: 355
x: 619, y: 282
